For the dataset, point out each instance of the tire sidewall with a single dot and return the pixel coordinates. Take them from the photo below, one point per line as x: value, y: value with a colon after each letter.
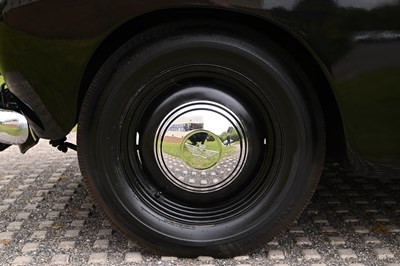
x: 100, y: 148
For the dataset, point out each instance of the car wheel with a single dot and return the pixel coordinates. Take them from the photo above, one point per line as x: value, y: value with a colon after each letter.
x: 197, y: 140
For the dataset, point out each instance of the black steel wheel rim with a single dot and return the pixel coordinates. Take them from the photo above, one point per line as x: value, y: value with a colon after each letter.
x: 249, y: 188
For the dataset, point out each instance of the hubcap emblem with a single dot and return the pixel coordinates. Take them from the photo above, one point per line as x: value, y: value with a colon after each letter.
x: 201, y: 149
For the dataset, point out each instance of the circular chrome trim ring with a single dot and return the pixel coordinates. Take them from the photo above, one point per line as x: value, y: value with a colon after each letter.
x: 201, y: 146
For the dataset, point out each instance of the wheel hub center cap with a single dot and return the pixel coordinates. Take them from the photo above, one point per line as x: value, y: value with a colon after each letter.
x: 201, y: 146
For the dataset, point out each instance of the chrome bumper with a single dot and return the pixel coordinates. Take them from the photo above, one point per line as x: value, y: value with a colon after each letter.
x: 13, y: 128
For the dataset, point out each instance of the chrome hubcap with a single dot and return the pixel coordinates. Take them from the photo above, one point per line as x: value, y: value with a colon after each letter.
x: 201, y: 146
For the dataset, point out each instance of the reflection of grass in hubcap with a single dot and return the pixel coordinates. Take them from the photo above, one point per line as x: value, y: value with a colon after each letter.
x: 201, y: 149
x: 174, y: 149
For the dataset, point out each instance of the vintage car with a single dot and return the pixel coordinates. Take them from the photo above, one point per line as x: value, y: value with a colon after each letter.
x: 204, y: 125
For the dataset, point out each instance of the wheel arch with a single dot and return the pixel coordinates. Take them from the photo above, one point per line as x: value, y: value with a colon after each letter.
x: 293, y: 44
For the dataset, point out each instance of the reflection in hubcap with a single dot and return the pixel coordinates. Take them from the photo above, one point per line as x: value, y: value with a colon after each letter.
x: 201, y: 146
x: 201, y: 149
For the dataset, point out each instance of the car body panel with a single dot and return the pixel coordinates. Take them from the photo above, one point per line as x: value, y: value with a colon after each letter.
x: 48, y: 45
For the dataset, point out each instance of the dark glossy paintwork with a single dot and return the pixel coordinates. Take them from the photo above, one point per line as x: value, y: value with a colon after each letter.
x: 46, y: 45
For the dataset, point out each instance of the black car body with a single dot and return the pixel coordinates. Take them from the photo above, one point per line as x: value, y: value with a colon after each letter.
x: 347, y: 50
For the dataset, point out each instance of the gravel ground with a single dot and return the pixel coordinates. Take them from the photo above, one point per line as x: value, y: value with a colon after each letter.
x: 47, y: 217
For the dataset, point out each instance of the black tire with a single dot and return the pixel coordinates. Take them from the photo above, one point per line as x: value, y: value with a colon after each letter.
x: 170, y: 65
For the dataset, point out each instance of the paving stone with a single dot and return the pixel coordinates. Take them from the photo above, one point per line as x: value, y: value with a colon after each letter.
x: 28, y: 247
x: 336, y: 241
x: 98, y: 258
x: 380, y: 193
x: 59, y: 171
x: 241, y: 258
x: 54, y: 179
x: 303, y: 241
x: 6, y: 235
x: 312, y: 211
x: 393, y: 228
x: 320, y: 220
x: 23, y: 216
x: 383, y: 253
x: 38, y: 235
x: 22, y: 260
x: 48, y: 186
x: 361, y: 201
x: 78, y: 223
x: 371, y: 240
x: 66, y: 245
x: 28, y: 181
x: 87, y: 206
x: 328, y: 229
x: 296, y: 230
x: 101, y: 244
x: 347, y: 254
x: 52, y: 215
x: 276, y: 255
x: 83, y: 214
x: 45, y: 224
x: 360, y: 229
x: 311, y: 254
x: 14, y: 226
x: 133, y: 257
x: 370, y: 209
x: 341, y: 210
x: 37, y: 199
x: 381, y: 219
x: 333, y: 201
x: 16, y: 194
x: 389, y: 201
x: 350, y: 219
x: 42, y: 192
x: 69, y: 192
x: 64, y: 199
x: 73, y: 185
x: 32, y: 206
x: 71, y: 233
x: 205, y: 258
x: 22, y: 187
x: 59, y: 206
x: 9, y: 201
x: 60, y: 259
x: 105, y: 232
